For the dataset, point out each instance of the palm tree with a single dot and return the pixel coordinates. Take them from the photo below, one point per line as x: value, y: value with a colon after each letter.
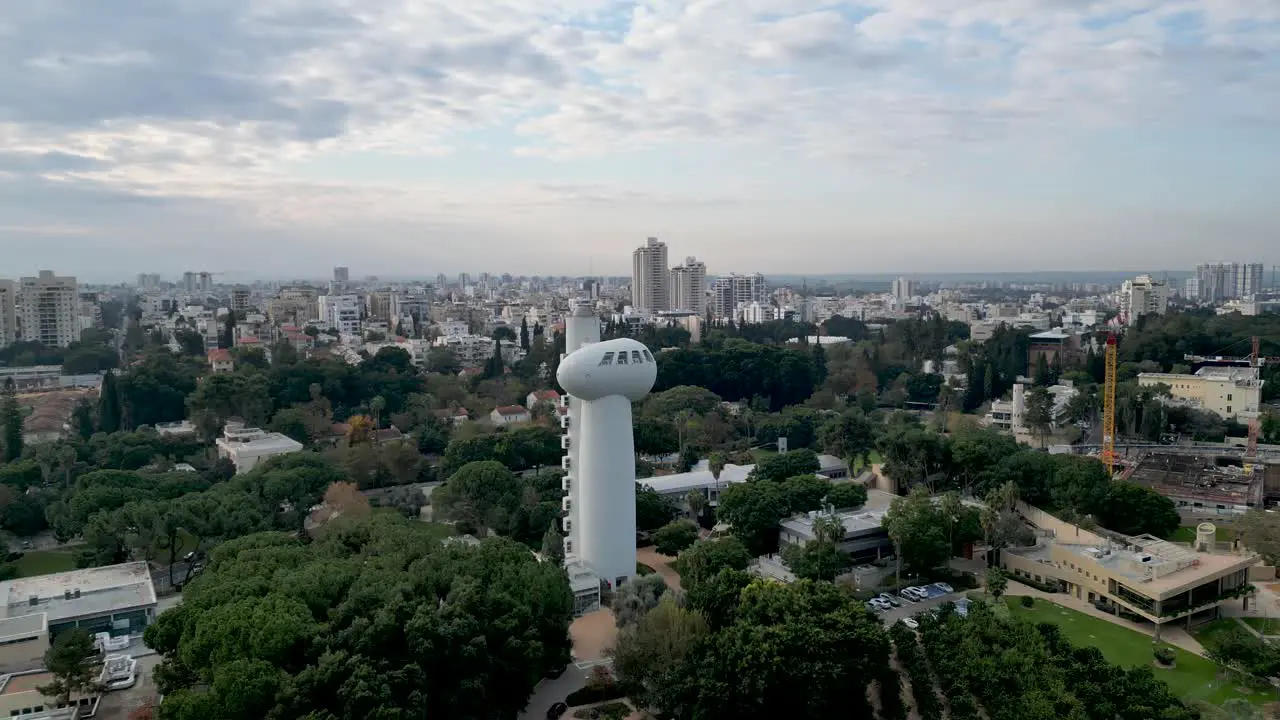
x: 697, y: 502
x: 376, y: 406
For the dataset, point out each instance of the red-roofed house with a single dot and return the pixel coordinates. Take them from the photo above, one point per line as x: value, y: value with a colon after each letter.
x: 220, y: 360
x: 541, y: 396
x: 509, y: 415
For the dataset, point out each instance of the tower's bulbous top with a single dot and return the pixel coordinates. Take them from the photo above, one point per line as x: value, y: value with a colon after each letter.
x: 614, y: 367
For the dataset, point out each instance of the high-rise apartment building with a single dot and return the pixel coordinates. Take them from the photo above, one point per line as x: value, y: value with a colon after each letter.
x: 241, y: 298
x: 904, y: 289
x: 8, y: 312
x: 341, y: 275
x: 729, y: 292
x: 48, y: 307
x: 1225, y: 281
x: 688, y: 287
x: 205, y: 280
x: 1143, y: 296
x: 649, y: 277
x: 189, y: 282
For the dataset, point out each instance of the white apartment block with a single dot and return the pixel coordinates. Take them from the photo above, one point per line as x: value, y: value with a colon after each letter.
x: 48, y: 307
x: 1225, y: 281
x: 472, y: 351
x: 688, y: 287
x: 454, y: 328
x: 649, y: 277
x: 1143, y: 296
x: 757, y: 312
x: 340, y: 312
x: 8, y: 312
x: 904, y: 289
x: 729, y: 292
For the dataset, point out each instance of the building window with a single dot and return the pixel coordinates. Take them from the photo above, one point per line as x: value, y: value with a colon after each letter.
x: 1228, y: 398
x: 622, y: 358
x: 635, y: 357
x: 1228, y: 409
x: 606, y: 359
x: 647, y: 356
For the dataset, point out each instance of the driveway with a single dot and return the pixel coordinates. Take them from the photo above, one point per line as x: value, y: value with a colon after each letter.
x: 661, y: 564
x: 553, y: 690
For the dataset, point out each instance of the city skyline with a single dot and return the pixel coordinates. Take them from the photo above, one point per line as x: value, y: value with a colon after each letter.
x: 867, y: 137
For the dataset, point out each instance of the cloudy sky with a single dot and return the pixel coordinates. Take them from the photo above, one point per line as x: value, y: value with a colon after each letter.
x: 409, y: 137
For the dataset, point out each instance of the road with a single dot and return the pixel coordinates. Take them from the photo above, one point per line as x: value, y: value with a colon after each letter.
x: 554, y: 690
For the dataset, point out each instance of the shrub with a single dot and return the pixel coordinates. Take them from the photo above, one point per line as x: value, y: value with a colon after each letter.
x: 892, y: 706
x: 599, y: 688
x: 1165, y: 655
x: 1027, y: 601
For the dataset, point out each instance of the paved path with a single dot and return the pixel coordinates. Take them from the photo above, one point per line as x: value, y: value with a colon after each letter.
x: 661, y: 564
x: 1172, y: 633
x: 552, y: 691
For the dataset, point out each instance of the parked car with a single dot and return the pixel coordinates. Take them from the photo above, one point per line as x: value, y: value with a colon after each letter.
x: 905, y: 594
x: 880, y: 603
x: 913, y: 593
x: 889, y: 599
x: 871, y: 607
x: 911, y: 623
x: 556, y: 710
x: 944, y: 587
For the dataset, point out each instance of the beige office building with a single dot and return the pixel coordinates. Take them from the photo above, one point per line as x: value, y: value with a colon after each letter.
x: 1229, y: 392
x: 1159, y: 581
x: 48, y: 307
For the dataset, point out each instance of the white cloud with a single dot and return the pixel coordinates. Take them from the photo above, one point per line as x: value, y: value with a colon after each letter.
x: 217, y: 99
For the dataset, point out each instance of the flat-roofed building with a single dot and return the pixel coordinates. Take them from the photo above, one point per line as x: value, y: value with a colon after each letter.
x: 865, y: 538
x: 1156, y: 580
x: 1226, y: 390
x: 117, y: 599
x: 245, y: 447
x: 20, y: 696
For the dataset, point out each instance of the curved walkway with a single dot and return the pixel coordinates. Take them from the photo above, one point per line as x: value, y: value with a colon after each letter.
x: 661, y: 564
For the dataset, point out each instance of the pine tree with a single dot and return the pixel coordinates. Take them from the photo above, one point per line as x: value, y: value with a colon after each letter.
x: 109, y: 408
x: 524, y: 334
x: 228, y: 338
x: 494, y: 367
x: 11, y: 422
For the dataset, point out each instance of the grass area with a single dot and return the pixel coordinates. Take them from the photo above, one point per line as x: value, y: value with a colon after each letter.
x: 1266, y: 626
x: 44, y: 562
x: 1193, y: 678
x: 1188, y: 535
x: 873, y: 457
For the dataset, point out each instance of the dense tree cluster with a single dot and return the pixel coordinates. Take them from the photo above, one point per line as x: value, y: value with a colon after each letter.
x: 1013, y: 670
x: 374, y: 619
x: 485, y: 496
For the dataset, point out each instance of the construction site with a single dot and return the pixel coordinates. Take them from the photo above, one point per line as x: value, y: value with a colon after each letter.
x: 1208, y: 480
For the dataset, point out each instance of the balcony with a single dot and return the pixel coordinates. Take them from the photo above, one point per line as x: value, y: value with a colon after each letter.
x: 567, y: 524
x: 566, y: 463
x: 564, y: 442
x: 566, y: 483
x: 566, y: 504
x: 564, y: 401
x: 565, y: 422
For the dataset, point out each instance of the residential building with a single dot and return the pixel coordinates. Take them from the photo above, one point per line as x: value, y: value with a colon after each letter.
x: 1156, y: 580
x: 1226, y: 281
x: 341, y: 276
x: 1229, y: 391
x: 88, y: 312
x: 116, y: 599
x: 20, y: 696
x: 241, y: 299
x: 1059, y: 347
x: 245, y: 447
x: 472, y: 351
x: 903, y: 289
x: 8, y: 312
x: 189, y: 282
x: 732, y: 291
x: 1143, y: 296
x: 220, y: 360
x: 649, y: 277
x: 688, y: 287
x: 49, y: 306
x: 205, y: 282
x: 293, y: 305
x: 509, y: 415
x: 341, y: 313
x: 604, y: 378
x: 542, y: 396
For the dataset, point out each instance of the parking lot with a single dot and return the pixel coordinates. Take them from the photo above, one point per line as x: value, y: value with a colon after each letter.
x: 909, y: 609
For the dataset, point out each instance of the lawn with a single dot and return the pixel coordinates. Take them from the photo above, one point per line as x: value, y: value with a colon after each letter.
x: 1193, y: 678
x: 1188, y: 535
x: 43, y: 562
x: 1266, y: 626
x: 873, y: 457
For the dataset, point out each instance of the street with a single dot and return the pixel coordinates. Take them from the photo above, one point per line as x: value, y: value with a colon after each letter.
x: 554, y: 690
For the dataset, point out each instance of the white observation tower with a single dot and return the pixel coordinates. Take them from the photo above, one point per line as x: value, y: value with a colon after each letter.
x: 604, y: 378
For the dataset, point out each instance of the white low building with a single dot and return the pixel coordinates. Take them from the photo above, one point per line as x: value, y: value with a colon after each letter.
x: 245, y: 447
x: 700, y: 480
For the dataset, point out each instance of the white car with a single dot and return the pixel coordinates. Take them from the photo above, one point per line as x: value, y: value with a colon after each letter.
x: 889, y: 599
x: 915, y: 593
x: 944, y: 587
x: 881, y: 604
x: 911, y: 623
